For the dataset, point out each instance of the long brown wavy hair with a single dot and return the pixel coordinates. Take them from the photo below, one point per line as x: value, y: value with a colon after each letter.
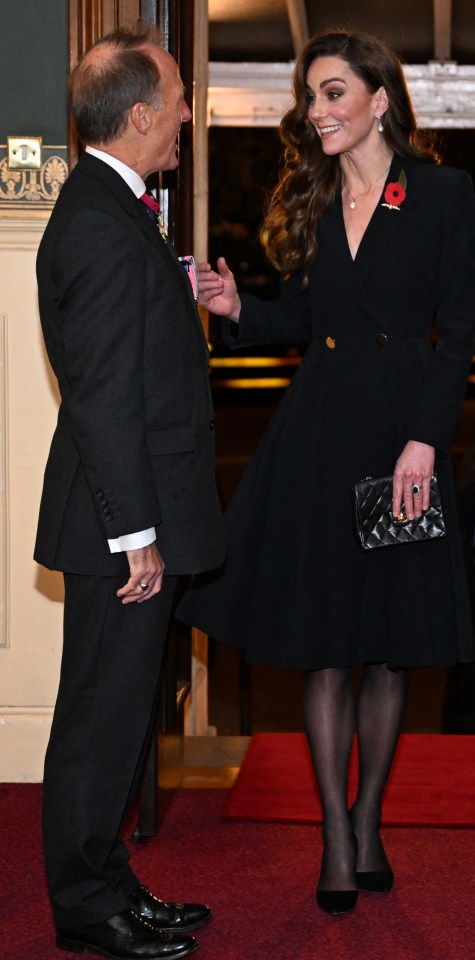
x: 309, y: 179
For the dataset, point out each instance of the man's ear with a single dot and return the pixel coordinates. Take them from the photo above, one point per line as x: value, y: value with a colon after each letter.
x: 139, y: 117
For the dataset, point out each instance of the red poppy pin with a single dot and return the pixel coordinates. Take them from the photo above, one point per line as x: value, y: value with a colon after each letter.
x: 395, y: 193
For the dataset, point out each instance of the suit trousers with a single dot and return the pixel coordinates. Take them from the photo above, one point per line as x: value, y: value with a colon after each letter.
x: 104, y: 712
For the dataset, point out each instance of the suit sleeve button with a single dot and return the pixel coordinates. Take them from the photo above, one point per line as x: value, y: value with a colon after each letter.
x: 381, y: 339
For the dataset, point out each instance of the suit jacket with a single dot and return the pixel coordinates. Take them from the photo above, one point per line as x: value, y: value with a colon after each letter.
x: 134, y: 442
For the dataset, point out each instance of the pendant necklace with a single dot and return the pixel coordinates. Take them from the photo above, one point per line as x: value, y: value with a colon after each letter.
x: 352, y: 203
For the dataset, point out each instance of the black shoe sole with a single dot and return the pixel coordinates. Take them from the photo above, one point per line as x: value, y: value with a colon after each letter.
x: 77, y: 946
x: 72, y: 946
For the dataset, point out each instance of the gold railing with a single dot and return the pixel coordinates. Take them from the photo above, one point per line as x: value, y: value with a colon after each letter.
x: 236, y: 365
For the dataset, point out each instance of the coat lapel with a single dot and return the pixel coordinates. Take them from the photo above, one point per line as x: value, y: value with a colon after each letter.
x: 333, y: 242
x: 168, y: 252
x: 381, y: 230
x: 113, y: 182
x: 385, y: 222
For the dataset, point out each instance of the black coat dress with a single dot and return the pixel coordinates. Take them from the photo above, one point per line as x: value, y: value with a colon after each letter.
x: 297, y: 589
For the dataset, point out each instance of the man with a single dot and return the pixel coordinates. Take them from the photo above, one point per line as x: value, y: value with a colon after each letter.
x: 129, y: 501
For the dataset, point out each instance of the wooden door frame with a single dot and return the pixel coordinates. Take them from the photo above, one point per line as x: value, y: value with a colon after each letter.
x: 91, y: 19
x: 88, y: 21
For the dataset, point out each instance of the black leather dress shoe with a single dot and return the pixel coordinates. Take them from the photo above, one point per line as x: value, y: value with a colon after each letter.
x: 168, y: 917
x: 125, y: 937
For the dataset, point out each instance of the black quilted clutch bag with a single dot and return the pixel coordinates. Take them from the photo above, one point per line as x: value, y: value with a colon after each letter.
x: 377, y: 527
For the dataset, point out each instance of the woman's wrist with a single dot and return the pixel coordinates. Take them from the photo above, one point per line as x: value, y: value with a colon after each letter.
x: 236, y: 311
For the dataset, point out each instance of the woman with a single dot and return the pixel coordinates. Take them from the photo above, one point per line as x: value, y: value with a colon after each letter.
x: 374, y: 240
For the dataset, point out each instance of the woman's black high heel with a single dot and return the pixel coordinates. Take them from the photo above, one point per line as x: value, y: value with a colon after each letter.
x: 339, y: 901
x: 375, y: 881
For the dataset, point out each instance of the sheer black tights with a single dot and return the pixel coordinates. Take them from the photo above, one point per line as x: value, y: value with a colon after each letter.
x: 331, y: 721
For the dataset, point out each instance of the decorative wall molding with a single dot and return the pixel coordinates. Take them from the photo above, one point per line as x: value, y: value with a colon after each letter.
x: 4, y: 539
x: 257, y: 94
x: 25, y: 233
x: 27, y: 193
x: 31, y: 626
x: 24, y: 734
x: 33, y: 711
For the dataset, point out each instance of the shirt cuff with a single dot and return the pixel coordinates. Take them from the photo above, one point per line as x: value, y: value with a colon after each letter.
x: 132, y: 541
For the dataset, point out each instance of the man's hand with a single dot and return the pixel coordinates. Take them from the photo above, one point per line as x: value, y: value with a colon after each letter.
x: 146, y: 574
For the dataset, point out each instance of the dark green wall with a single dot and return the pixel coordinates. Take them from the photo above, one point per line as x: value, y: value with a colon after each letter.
x: 34, y: 69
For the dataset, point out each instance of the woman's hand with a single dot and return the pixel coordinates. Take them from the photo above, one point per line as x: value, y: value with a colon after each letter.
x: 217, y: 291
x: 414, y: 468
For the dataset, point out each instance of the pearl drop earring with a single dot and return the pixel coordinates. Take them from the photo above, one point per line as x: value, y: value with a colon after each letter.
x: 380, y: 125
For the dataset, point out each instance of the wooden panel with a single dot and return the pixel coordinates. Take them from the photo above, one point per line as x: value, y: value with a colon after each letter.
x: 176, y: 187
x: 88, y: 21
x: 442, y: 29
x: 91, y: 19
x: 298, y: 24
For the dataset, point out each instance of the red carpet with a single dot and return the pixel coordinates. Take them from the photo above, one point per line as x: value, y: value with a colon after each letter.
x: 260, y: 880
x: 432, y: 782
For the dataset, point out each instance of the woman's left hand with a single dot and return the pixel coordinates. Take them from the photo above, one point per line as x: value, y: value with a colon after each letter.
x: 411, y: 479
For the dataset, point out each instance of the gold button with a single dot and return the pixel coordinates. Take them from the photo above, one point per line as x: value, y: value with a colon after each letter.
x: 331, y: 343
